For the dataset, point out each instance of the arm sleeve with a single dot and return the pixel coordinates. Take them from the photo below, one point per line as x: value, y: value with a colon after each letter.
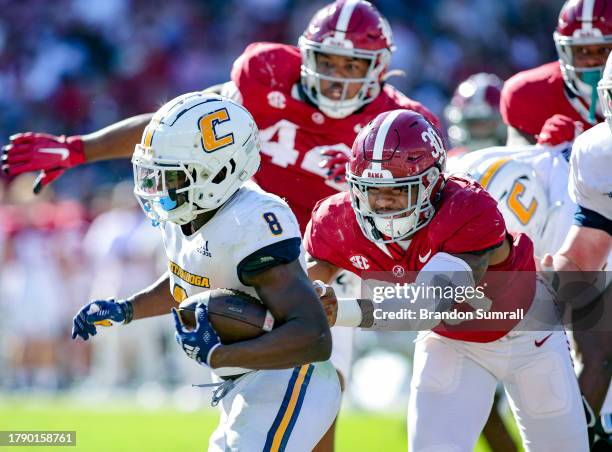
x: 270, y: 256
x: 321, y: 238
x: 317, y: 243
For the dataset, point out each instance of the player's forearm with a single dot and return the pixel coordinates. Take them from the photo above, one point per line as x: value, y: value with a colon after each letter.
x: 117, y: 140
x: 154, y: 300
x: 294, y: 343
x: 321, y: 270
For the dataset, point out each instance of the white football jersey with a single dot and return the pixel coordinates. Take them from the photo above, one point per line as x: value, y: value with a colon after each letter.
x: 208, y: 259
x: 551, y: 168
x: 590, y: 181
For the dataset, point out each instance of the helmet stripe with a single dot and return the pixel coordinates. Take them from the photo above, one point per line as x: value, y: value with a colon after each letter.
x: 345, y: 17
x: 587, y: 15
x: 381, y: 137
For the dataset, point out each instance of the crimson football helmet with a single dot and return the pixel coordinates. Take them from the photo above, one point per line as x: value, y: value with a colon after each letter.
x: 473, y: 114
x: 582, y: 23
x: 351, y: 28
x: 399, y: 149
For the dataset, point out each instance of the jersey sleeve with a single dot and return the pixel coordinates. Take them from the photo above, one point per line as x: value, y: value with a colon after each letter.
x: 320, y: 239
x: 517, y: 105
x: 266, y: 66
x: 477, y: 225
x: 271, y: 231
x: 589, y: 182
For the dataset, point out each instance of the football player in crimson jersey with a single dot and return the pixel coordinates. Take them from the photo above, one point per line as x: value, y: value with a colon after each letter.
x: 556, y: 101
x: 403, y: 212
x: 309, y: 103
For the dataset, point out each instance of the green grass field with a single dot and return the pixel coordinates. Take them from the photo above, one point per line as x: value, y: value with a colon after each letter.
x: 120, y: 428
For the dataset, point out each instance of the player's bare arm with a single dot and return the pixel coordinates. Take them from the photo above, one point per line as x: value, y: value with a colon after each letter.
x: 303, y: 336
x: 479, y: 262
x: 154, y: 300
x: 118, y: 140
x: 115, y: 141
x: 319, y: 270
x: 584, y: 249
x: 52, y: 155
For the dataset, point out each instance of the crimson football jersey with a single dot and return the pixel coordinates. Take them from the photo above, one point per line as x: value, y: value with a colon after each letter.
x: 530, y: 97
x: 294, y: 132
x: 466, y: 221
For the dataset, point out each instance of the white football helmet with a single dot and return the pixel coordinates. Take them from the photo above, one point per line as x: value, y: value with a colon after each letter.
x: 521, y: 197
x: 196, y: 152
x: 605, y: 91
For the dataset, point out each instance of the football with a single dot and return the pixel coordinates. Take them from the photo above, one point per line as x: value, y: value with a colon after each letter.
x: 236, y: 316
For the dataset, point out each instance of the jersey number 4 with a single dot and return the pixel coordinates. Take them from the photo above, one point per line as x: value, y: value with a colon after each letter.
x: 283, y: 153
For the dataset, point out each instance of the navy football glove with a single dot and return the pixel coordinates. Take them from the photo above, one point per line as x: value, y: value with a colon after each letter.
x: 102, y: 313
x: 201, y: 342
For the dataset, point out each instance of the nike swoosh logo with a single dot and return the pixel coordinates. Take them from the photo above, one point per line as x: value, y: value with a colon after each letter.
x: 540, y: 343
x: 60, y: 151
x: 423, y: 259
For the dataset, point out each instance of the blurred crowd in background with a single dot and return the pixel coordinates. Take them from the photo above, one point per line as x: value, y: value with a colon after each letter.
x: 74, y: 66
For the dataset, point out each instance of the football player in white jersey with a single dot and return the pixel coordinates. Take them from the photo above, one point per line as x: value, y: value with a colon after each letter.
x: 587, y: 248
x: 191, y: 172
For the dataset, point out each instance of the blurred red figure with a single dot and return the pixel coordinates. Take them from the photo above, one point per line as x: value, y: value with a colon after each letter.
x: 567, y: 87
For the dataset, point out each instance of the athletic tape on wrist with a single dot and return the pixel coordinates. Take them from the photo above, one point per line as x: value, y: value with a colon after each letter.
x: 349, y: 312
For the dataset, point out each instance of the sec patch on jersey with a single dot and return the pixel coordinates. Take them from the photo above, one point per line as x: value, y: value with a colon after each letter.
x: 236, y: 316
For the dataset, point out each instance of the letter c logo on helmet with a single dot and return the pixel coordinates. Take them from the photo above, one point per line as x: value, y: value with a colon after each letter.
x: 208, y: 123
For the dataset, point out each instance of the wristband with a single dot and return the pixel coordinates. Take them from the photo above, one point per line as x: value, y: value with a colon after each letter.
x: 349, y: 313
x: 128, y: 311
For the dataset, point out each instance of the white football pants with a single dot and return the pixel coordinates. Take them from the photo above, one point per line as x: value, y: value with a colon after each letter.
x: 454, y: 382
x: 272, y: 410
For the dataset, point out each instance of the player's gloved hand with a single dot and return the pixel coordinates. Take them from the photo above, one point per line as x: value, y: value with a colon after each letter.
x: 199, y: 343
x: 49, y: 154
x: 335, y: 163
x: 559, y: 129
x: 101, y: 313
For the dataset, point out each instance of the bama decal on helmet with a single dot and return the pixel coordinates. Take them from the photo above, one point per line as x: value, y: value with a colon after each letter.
x: 210, y: 140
